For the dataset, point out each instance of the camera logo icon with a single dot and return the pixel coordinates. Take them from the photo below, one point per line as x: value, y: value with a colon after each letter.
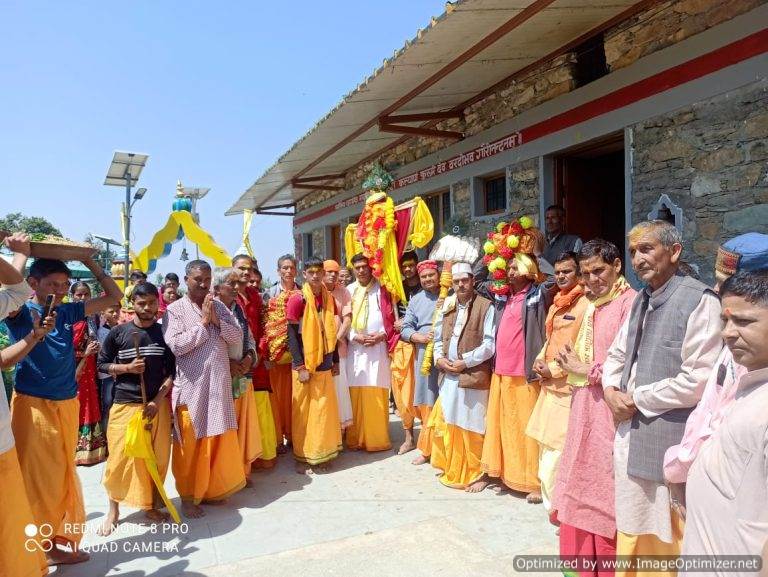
x: 38, y: 538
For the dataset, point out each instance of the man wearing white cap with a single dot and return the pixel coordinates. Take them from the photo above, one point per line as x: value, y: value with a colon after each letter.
x: 464, y: 347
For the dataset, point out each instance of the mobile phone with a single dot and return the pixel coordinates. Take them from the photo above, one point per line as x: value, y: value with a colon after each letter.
x: 48, y: 307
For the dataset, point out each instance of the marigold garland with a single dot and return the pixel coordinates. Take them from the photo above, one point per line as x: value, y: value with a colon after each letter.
x: 276, y: 328
x: 376, y: 223
x: 501, y: 246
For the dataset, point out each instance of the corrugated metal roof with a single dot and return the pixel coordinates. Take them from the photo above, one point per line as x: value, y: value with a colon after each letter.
x: 542, y: 27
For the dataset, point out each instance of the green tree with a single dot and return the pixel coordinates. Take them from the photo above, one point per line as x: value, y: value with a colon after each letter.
x: 33, y: 225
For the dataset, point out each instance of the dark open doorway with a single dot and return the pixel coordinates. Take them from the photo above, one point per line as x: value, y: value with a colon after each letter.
x: 589, y: 184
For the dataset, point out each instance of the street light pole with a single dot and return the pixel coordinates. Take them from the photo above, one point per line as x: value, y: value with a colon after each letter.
x: 127, y: 243
x: 125, y: 170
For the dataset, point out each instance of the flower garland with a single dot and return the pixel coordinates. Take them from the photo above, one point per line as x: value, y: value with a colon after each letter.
x: 376, y: 223
x: 500, y: 248
x: 276, y: 328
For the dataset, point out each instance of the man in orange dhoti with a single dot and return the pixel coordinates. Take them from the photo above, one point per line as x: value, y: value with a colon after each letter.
x: 21, y: 554
x: 276, y: 339
x: 251, y: 302
x: 311, y: 318
x: 45, y: 410
x: 549, y: 421
x: 207, y: 462
x: 343, y: 301
x: 241, y: 358
x: 368, y: 362
x: 403, y: 356
x: 464, y: 347
x: 417, y: 329
x: 127, y: 479
x: 508, y: 453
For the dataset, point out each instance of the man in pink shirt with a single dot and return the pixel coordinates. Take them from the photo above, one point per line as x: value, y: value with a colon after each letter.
x: 747, y: 252
x: 508, y: 453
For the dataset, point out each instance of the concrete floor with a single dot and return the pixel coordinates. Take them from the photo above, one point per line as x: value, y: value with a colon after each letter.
x: 373, y: 515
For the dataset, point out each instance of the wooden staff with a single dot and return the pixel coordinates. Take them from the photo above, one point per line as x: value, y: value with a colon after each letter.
x: 136, y: 338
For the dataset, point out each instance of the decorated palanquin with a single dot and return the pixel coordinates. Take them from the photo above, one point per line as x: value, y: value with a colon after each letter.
x: 385, y: 231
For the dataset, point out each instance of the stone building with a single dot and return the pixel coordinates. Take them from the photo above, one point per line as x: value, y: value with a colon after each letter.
x: 617, y: 110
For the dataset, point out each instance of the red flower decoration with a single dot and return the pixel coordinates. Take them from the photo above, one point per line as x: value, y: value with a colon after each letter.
x: 499, y: 274
x: 516, y: 228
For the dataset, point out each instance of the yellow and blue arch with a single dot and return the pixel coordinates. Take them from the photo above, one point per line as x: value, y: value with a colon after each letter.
x: 180, y: 224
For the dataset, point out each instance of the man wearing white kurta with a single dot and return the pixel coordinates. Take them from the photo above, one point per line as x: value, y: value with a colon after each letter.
x: 727, y: 489
x: 464, y: 346
x: 653, y: 377
x: 368, y: 372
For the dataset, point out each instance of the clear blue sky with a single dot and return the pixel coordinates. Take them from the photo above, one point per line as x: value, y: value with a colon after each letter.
x: 213, y: 92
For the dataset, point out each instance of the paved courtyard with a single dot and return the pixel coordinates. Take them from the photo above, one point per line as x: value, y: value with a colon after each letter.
x: 373, y: 515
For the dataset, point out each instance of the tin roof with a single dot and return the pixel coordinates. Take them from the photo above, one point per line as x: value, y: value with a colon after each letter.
x: 473, y: 46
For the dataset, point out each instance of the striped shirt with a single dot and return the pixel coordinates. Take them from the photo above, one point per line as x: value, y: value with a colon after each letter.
x: 118, y: 348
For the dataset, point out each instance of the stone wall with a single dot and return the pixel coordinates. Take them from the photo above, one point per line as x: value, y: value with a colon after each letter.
x: 544, y: 83
x: 665, y: 24
x: 711, y: 160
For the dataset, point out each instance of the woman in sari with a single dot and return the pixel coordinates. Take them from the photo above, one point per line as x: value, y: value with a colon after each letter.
x: 91, y: 441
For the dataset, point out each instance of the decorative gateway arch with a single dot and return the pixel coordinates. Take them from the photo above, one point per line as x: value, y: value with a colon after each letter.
x: 180, y: 224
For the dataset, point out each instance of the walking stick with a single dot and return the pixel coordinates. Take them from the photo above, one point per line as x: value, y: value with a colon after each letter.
x: 142, y: 386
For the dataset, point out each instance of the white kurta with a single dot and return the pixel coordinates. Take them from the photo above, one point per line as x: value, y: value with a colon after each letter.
x: 368, y: 366
x: 464, y: 408
x: 727, y: 490
x: 643, y: 507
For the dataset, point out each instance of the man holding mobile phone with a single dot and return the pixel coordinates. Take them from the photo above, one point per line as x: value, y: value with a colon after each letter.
x: 45, y: 410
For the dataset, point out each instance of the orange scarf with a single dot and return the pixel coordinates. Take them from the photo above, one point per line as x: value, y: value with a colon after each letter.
x: 562, y: 300
x: 318, y: 334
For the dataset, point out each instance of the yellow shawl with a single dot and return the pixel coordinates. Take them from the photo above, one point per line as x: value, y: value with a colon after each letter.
x: 317, y: 334
x: 585, y: 340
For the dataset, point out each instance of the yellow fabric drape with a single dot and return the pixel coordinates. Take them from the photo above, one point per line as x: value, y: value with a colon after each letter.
x: 360, y: 307
x: 351, y: 245
x: 318, y: 335
x: 584, y: 345
x: 422, y: 224
x: 391, y: 279
x: 247, y: 219
x: 138, y: 444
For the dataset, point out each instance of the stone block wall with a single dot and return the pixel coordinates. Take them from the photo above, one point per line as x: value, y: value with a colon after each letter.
x: 711, y: 159
x: 665, y: 24
x: 544, y: 83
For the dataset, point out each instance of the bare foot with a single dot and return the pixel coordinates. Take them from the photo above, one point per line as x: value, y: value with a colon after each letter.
x: 155, y: 516
x: 406, y: 447
x: 534, y: 498
x: 189, y: 509
x: 58, y: 556
x: 477, y: 486
x: 500, y: 489
x: 110, y: 521
x: 420, y: 460
x: 304, y: 469
x: 322, y: 468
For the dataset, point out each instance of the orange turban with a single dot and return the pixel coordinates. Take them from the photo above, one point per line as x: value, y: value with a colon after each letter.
x: 330, y: 266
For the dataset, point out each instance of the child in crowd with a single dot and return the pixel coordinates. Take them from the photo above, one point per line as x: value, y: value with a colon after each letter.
x: 110, y: 318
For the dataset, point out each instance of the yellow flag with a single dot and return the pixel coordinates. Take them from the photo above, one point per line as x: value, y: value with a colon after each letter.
x: 138, y: 444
